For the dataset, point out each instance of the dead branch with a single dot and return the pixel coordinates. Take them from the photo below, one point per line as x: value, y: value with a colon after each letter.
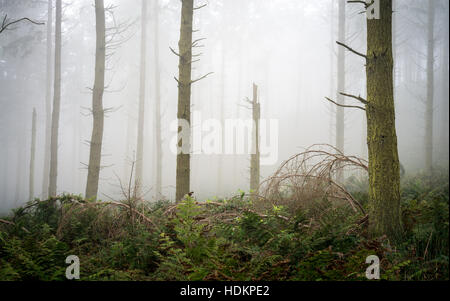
x: 345, y: 106
x: 359, y: 98
x: 6, y: 24
x: 352, y: 50
x: 203, y: 77
x: 310, y: 176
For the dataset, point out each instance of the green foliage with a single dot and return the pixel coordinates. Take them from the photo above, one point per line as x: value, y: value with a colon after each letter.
x: 226, y: 239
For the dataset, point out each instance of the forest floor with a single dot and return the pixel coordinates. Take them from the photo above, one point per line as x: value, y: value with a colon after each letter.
x: 233, y: 239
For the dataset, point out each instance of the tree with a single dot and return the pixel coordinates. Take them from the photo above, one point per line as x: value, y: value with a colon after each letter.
x: 32, y: 155
x: 430, y: 88
x: 97, y: 103
x: 340, y: 124
x: 222, y: 117
x: 158, y: 139
x: 56, y: 104
x: 48, y: 102
x: 384, y: 165
x: 255, y: 157
x: 142, y: 90
x: 184, y: 98
x: 445, y: 93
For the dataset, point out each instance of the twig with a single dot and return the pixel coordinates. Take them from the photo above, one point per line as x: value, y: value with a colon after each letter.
x: 359, y: 98
x: 5, y: 25
x: 352, y: 50
x: 199, y: 79
x: 345, y: 106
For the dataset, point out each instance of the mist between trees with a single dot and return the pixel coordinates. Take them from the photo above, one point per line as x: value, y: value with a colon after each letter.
x: 110, y: 85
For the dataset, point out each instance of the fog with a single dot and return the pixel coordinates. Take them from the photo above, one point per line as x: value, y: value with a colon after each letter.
x: 286, y: 47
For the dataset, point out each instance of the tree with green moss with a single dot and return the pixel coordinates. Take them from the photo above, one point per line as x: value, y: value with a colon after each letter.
x: 184, y: 97
x: 384, y: 165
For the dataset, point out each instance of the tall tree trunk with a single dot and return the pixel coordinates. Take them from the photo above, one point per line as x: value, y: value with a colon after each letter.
x: 384, y: 169
x: 184, y: 98
x: 97, y: 103
x: 56, y: 104
x: 430, y: 89
x: 32, y: 155
x: 241, y: 60
x: 20, y: 165
x: 48, y: 105
x: 340, y: 79
x: 332, y: 56
x: 158, y: 131
x: 445, y: 95
x: 340, y: 123
x: 222, y: 119
x: 255, y: 157
x: 142, y: 90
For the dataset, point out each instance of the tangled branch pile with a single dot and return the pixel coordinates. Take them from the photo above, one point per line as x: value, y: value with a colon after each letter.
x: 311, y: 176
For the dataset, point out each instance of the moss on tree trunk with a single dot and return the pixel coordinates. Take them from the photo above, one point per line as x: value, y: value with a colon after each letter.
x: 184, y: 97
x: 384, y: 167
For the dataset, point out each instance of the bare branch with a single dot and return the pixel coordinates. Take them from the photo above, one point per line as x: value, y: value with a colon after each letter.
x: 6, y: 24
x: 200, y: 7
x: 345, y: 106
x: 351, y: 49
x: 174, y: 52
x: 199, y: 79
x: 359, y: 1
x: 359, y: 98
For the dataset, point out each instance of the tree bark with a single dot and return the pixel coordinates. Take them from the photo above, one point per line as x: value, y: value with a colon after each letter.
x: 184, y: 97
x: 56, y: 104
x: 48, y: 105
x: 222, y: 119
x: 142, y: 90
x: 340, y: 79
x: 340, y: 123
x: 384, y: 170
x: 430, y: 89
x: 445, y: 93
x: 332, y: 83
x: 32, y: 155
x: 97, y: 104
x: 255, y: 157
x: 158, y: 133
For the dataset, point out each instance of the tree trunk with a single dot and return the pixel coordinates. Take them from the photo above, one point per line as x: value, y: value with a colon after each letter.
x: 340, y: 123
x: 384, y: 170
x: 445, y: 94
x: 20, y: 165
x: 97, y: 104
x: 222, y: 119
x: 158, y: 133
x: 56, y: 104
x: 48, y: 105
x: 332, y: 83
x: 142, y: 90
x: 255, y: 157
x: 32, y: 155
x: 340, y: 79
x: 430, y: 89
x: 184, y: 98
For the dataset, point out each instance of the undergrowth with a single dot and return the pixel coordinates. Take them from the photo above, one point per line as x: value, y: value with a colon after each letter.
x: 226, y: 239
